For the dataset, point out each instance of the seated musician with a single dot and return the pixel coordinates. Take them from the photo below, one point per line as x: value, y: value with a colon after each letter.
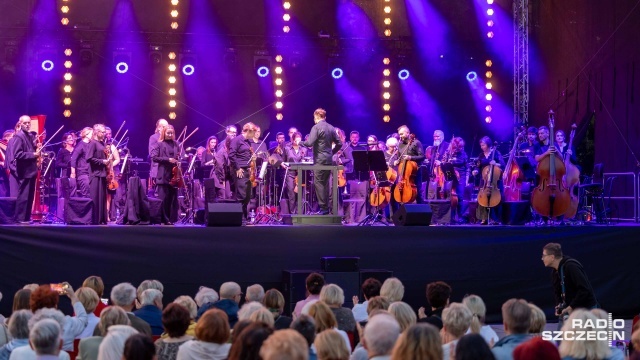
x: 390, y: 155
x: 209, y: 154
x: 486, y: 158
x: 293, y: 154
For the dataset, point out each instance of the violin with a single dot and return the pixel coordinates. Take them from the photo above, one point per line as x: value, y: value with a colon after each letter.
x: 252, y: 168
x: 112, y: 183
x: 406, y: 191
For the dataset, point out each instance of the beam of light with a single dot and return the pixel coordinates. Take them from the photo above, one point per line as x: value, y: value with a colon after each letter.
x: 420, y: 105
x: 429, y: 28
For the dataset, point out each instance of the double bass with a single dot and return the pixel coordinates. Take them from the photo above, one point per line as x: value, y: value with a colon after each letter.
x: 551, y: 198
x: 571, y: 179
x: 406, y: 191
x: 489, y: 195
x: 512, y: 175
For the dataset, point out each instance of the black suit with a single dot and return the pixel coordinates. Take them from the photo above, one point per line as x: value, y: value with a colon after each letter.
x: 321, y: 139
x: 23, y: 170
x: 97, y: 180
x: 160, y: 155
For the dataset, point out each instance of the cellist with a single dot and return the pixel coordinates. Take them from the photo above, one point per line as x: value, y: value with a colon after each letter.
x: 413, y: 153
x: 458, y: 158
x: 166, y: 154
x: 486, y: 158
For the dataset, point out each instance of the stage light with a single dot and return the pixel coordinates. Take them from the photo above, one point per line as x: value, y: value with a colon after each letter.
x: 279, y: 105
x: 188, y: 69
x: 172, y: 67
x: 286, y: 17
x: 386, y: 72
x: 172, y: 91
x: 286, y: 5
x: 488, y: 97
x: 490, y: 2
x: 67, y: 88
x: 174, y: 25
x: 490, y: 23
x: 278, y: 70
x: 278, y: 81
x: 174, y: 13
x: 174, y: 2
x: 279, y: 116
x: 387, y: 21
x: 472, y: 76
x: 488, y: 108
x: 278, y: 58
x: 386, y: 107
x: 262, y: 71
x: 386, y: 61
x: 64, y: 21
x: 337, y: 73
x: 47, y: 65
x: 67, y: 76
x: 172, y: 79
x: 172, y: 115
x: 489, y: 74
x: 490, y: 34
x: 386, y: 118
x: 64, y: 9
x: 386, y: 96
x: 68, y: 52
x: 489, y: 86
x: 122, y: 67
x: 278, y: 93
x: 387, y: 32
x: 487, y: 119
x: 68, y: 64
x: 403, y: 74
x: 387, y: 9
x: 172, y: 55
x: 490, y: 12
x: 286, y: 29
x: 488, y: 63
x: 67, y: 101
x: 386, y: 83
x: 67, y: 113
x: 262, y: 64
x: 172, y: 103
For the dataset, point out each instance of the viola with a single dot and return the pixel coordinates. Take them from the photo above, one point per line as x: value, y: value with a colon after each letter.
x: 572, y: 178
x: 406, y: 191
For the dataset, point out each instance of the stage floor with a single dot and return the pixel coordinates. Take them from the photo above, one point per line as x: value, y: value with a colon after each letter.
x: 495, y: 262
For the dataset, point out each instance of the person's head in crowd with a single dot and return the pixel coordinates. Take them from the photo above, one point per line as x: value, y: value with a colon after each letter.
x: 231, y: 291
x: 635, y: 340
x: 538, y: 320
x: 377, y: 303
x: 112, y: 346
x: 438, y: 294
x: 206, y: 295
x: 392, y: 289
x: 124, y: 295
x: 31, y: 287
x: 151, y: 297
x: 370, y: 288
x: 189, y: 304
x: 96, y: 283
x: 314, y: 283
x: 536, y: 349
x: 112, y: 315
x: 380, y: 335
x: 47, y: 313
x: 307, y: 306
x: 238, y: 328
x: 581, y: 349
x: 404, y: 314
x: 213, y: 327
x: 21, y: 300
x: 145, y: 285
x: 274, y: 302
x: 44, y: 297
x: 249, y: 308
x: 88, y: 298
x: 255, y: 292
x: 139, y: 347
x: 46, y: 337
x: 19, y: 324
x: 330, y: 345
x: 284, y: 345
x: 332, y: 295
x: 418, y: 342
x: 516, y: 316
x: 473, y: 347
x: 478, y: 311
x: 263, y: 315
x: 175, y: 320
x: 247, y: 344
x: 456, y: 319
x: 306, y: 326
x: 323, y: 316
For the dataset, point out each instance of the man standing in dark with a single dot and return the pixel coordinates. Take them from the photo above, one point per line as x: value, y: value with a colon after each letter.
x: 23, y: 157
x: 571, y: 287
x: 321, y: 139
x: 80, y: 169
x: 98, y: 161
x: 410, y: 148
x: 357, y: 181
x: 240, y: 154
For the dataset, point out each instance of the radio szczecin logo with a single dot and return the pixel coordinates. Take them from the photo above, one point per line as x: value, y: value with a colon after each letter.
x: 588, y: 330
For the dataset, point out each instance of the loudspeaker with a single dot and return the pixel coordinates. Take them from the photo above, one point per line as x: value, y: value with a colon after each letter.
x: 294, y: 286
x: 224, y: 214
x: 339, y: 264
x: 380, y: 275
x: 412, y: 215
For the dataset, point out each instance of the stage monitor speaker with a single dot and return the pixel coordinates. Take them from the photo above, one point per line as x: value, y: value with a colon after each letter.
x: 349, y: 282
x: 380, y: 275
x: 224, y: 214
x: 294, y: 286
x: 412, y: 215
x: 339, y: 264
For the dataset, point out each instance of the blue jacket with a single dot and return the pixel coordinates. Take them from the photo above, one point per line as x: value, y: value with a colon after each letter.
x: 153, y: 316
x: 503, y: 349
x: 228, y: 306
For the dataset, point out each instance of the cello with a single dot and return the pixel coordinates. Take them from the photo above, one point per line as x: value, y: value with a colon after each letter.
x: 487, y: 197
x: 572, y: 178
x: 512, y: 175
x: 406, y: 191
x: 551, y: 198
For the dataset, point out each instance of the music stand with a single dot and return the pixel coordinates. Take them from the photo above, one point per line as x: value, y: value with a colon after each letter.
x: 371, y: 161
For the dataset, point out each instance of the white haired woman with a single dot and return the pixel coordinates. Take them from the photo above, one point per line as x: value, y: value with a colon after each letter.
x: 333, y: 296
x: 19, y: 331
x: 478, y: 312
x: 112, y: 347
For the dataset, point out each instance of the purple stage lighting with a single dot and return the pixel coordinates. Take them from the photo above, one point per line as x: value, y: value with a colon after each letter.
x: 188, y: 69
x: 472, y: 76
x: 122, y: 67
x: 263, y: 71
x: 403, y: 74
x: 47, y: 65
x: 337, y: 73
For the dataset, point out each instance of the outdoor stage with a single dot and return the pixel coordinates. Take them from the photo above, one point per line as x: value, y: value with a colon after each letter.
x: 496, y: 263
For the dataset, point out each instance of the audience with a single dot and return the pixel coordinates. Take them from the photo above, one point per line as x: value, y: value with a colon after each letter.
x: 583, y: 349
x: 330, y: 346
x: 284, y: 345
x: 438, y: 294
x: 230, y: 296
x: 139, y: 347
x: 392, y: 289
x: 264, y: 316
x: 145, y: 285
x: 248, y: 309
x: 274, y: 302
x: 404, y: 314
x: 28, y: 352
x: 212, y: 334
x: 616, y: 353
x: 473, y: 347
x: 478, y: 312
x: 536, y: 349
x: 113, y: 315
x: 124, y: 296
x: 21, y: 300
x: 456, y: 319
x: 326, y: 320
x: 18, y: 331
x: 89, y: 300
x: 418, y: 342
x: 380, y: 336
x: 175, y: 320
x: 150, y: 310
x: 112, y: 346
x: 314, y: 284
x: 46, y: 339
x: 247, y: 344
x: 306, y: 326
x: 333, y: 296
x: 205, y: 296
x: 95, y: 283
x: 190, y: 305
x: 516, y: 318
x: 370, y: 288
x: 538, y: 320
x: 255, y: 292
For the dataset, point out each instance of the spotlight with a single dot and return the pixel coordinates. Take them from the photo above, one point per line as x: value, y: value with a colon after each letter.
x: 279, y: 116
x: 490, y: 2
x: 122, y: 61
x: 68, y: 52
x: 489, y: 74
x: 337, y: 73
x: 67, y: 113
x: 122, y: 67
x: 188, y: 69
x: 47, y: 65
x: 489, y: 86
x: 172, y: 55
x: 278, y: 93
x: 68, y: 64
x: 172, y: 115
x: 386, y: 118
x: 386, y: 107
x: 174, y: 13
x: 286, y: 5
x: 174, y: 2
x: 64, y: 9
x: 278, y: 81
x: 188, y: 64
x: 488, y: 108
x: 172, y: 79
x: 490, y: 23
x: 387, y: 21
x: 263, y: 71
x: 487, y: 119
x: 488, y: 97
x: 386, y: 72
x: 387, y: 9
x: 472, y: 76
x: 278, y: 58
x: 386, y: 83
x: 64, y: 21
x: 172, y: 103
x: 67, y: 76
x: 286, y: 17
x: 262, y: 64
x: 490, y: 12
x: 278, y: 70
x: 67, y: 88
x: 279, y: 105
x: 386, y: 61
x: 386, y: 95
x: 488, y: 63
x: 387, y: 32
x: 174, y: 25
x: 67, y: 101
x: 490, y: 34
x: 172, y: 91
x: 172, y: 67
x: 403, y: 74
x: 286, y: 29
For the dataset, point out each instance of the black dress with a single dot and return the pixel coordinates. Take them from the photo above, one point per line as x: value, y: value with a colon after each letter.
x: 160, y: 154
x: 98, y: 180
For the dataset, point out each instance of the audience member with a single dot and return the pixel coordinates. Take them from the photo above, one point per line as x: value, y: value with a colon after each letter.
x: 306, y: 326
x: 330, y: 346
x: 112, y: 315
x: 274, y: 302
x: 418, y: 342
x: 473, y: 347
x: 18, y: 330
x: 237, y: 329
x: 616, y: 353
x: 27, y: 352
x: 145, y: 285
x: 139, y: 347
x: 516, y: 318
x: 333, y: 296
x: 478, y: 312
x: 248, y: 309
x: 206, y: 295
x: 392, y: 289
x: 370, y: 288
x: 583, y: 349
x: 150, y: 310
x: 21, y: 300
x: 124, y: 296
x: 536, y: 349
x: 230, y: 296
x: 175, y: 320
x: 247, y: 344
x: 89, y: 299
x: 190, y: 305
x: 255, y: 292
x: 403, y: 313
x: 112, y: 346
x: 314, y: 284
x: 438, y: 294
x: 326, y: 320
x: 95, y: 282
x: 46, y: 339
x: 380, y: 336
x: 538, y: 320
x: 212, y: 334
x: 456, y: 319
x: 284, y: 345
x: 264, y: 316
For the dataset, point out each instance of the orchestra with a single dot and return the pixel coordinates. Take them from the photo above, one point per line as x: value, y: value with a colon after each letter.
x: 238, y: 164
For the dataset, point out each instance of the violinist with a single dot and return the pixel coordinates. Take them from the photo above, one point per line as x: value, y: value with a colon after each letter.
x: 255, y: 143
x: 563, y: 147
x: 231, y: 131
x: 436, y: 152
x: 209, y: 155
x: 153, y: 140
x: 486, y: 158
x: 458, y: 158
x: 240, y: 156
x: 293, y: 154
x: 4, y: 173
x: 412, y: 151
x: 22, y: 158
x: 166, y: 154
x: 98, y: 164
x: 63, y: 159
x: 113, y: 195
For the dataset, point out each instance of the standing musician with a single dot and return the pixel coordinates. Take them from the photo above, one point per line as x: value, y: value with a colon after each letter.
x: 223, y: 169
x: 277, y: 158
x: 166, y: 154
x: 4, y: 166
x: 412, y: 153
x: 23, y: 155
x: 357, y: 181
x: 486, y: 158
x: 255, y: 143
x: 240, y: 155
x: 153, y: 140
x: 80, y: 169
x: 322, y: 138
x: 389, y: 155
x: 209, y: 155
x: 63, y: 159
x: 231, y: 131
x: 293, y: 154
x: 291, y: 132
x: 528, y: 149
x: 458, y: 158
x: 112, y: 195
x: 434, y: 156
x: 98, y: 164
x: 563, y: 147
x: 261, y: 152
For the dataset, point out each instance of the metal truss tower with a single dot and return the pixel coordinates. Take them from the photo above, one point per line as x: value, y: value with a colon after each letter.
x: 520, y: 62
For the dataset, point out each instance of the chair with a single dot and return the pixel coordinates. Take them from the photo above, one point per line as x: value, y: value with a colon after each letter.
x: 76, y: 349
x: 592, y: 195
